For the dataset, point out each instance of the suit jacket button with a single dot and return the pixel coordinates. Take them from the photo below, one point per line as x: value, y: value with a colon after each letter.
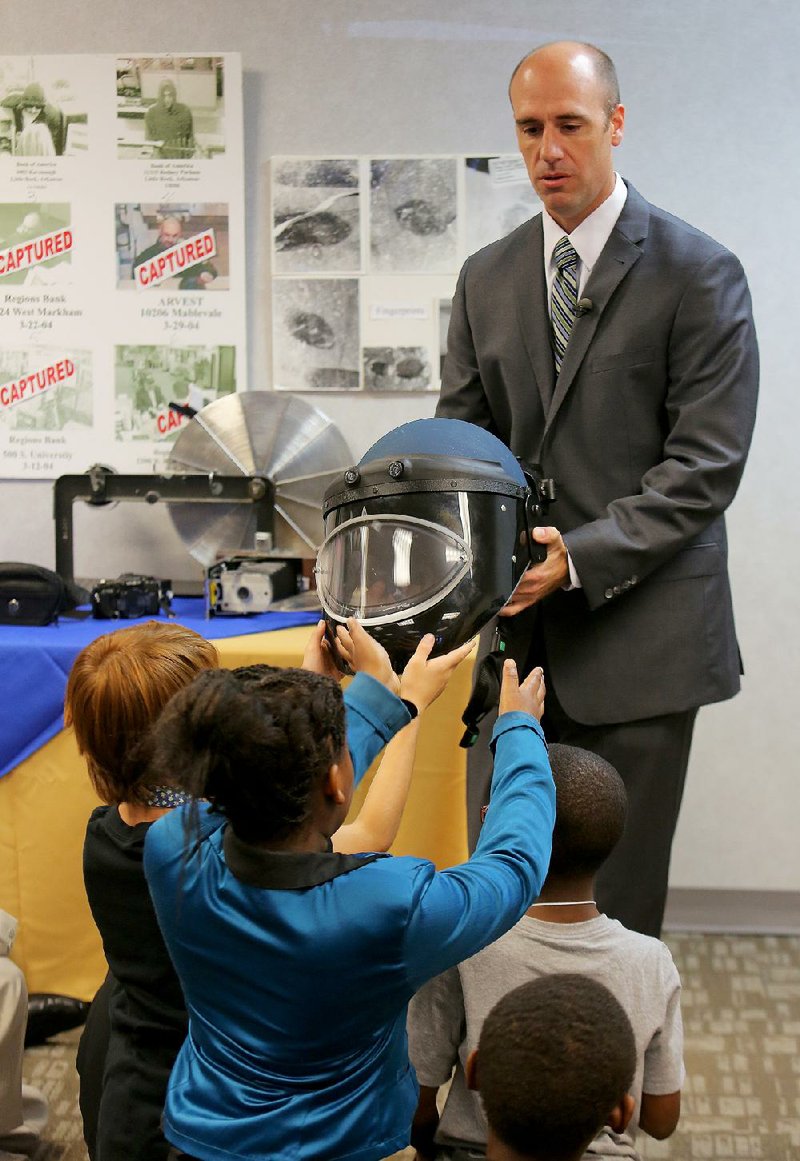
x: 634, y: 579
x: 609, y: 594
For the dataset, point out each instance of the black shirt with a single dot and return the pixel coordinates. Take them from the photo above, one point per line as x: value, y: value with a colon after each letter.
x: 147, y: 1010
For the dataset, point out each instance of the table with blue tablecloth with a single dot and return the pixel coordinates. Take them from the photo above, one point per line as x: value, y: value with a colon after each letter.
x: 46, y: 796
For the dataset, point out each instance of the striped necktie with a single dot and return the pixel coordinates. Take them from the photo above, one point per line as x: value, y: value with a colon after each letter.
x: 563, y: 297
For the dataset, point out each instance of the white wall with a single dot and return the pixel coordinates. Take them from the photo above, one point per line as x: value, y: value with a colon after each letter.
x: 710, y: 135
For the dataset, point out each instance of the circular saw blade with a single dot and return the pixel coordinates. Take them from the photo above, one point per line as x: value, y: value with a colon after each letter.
x: 258, y: 433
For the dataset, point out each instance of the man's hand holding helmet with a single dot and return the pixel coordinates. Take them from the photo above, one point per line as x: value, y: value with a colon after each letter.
x: 539, y: 580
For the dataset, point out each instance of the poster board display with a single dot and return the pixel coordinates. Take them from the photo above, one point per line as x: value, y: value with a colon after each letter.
x: 122, y: 280
x: 365, y: 256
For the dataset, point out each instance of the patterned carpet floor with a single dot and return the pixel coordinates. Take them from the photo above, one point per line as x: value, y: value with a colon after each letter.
x: 741, y: 1011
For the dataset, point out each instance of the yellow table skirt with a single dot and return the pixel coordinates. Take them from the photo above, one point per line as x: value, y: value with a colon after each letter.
x: 46, y: 801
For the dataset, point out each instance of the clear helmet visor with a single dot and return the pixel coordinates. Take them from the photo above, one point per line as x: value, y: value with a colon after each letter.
x: 385, y: 568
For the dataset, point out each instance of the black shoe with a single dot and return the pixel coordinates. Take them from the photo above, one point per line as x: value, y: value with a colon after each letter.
x: 49, y: 1014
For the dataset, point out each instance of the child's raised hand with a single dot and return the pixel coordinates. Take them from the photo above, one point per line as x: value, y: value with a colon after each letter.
x: 366, y: 655
x: 318, y: 657
x: 528, y: 697
x: 424, y: 679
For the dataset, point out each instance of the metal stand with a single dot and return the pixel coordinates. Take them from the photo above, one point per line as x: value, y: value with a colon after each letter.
x: 99, y: 486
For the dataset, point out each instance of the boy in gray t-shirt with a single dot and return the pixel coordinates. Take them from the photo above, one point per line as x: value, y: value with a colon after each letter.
x: 562, y: 932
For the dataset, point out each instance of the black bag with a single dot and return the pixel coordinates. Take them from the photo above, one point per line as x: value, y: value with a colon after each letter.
x: 32, y: 595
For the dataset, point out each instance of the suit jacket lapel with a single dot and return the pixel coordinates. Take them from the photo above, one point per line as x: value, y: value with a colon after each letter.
x: 532, y: 312
x: 621, y: 251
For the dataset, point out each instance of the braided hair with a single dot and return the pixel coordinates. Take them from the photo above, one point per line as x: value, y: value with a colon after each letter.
x: 254, y: 743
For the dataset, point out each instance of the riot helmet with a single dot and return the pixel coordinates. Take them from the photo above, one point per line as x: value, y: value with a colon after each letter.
x: 428, y: 533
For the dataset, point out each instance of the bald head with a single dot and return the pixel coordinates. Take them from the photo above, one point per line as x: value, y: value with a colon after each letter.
x: 566, y: 108
x: 170, y: 231
x: 586, y: 62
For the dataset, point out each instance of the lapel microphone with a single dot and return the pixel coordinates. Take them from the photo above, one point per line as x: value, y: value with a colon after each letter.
x: 584, y: 306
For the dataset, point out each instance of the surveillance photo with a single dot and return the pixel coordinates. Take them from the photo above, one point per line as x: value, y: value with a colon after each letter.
x: 170, y: 107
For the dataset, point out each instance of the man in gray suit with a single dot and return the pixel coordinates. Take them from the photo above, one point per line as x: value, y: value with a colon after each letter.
x: 613, y: 345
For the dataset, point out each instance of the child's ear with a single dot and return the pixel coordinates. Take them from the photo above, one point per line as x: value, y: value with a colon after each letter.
x: 621, y: 1114
x: 471, y: 1071
x: 333, y: 785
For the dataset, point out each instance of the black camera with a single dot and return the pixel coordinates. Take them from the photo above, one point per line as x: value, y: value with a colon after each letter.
x: 131, y: 596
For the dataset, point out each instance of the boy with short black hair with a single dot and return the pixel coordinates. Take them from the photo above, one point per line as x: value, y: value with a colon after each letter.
x: 563, y: 931
x: 554, y: 1063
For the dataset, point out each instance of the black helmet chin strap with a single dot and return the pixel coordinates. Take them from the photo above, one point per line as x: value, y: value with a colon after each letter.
x: 486, y: 690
